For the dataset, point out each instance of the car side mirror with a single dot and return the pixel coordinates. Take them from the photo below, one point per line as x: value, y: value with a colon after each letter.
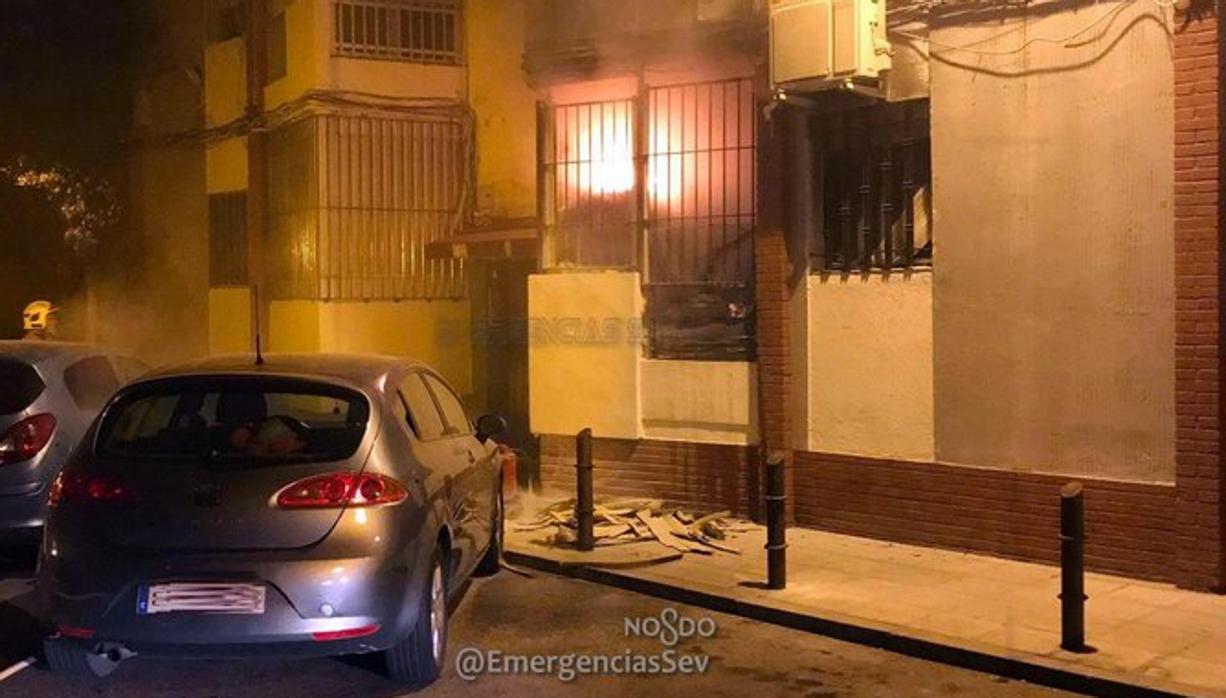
x: 489, y: 425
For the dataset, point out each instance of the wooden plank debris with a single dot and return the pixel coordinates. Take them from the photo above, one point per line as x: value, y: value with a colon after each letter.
x: 629, y: 520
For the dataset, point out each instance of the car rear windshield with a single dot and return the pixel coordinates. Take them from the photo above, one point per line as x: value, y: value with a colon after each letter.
x: 21, y: 386
x: 237, y: 419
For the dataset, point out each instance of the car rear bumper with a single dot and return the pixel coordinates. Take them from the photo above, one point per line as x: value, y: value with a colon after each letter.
x: 280, y: 646
x: 23, y: 514
x: 304, y: 595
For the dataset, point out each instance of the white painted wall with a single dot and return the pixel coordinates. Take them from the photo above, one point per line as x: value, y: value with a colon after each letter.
x: 700, y: 401
x: 870, y: 365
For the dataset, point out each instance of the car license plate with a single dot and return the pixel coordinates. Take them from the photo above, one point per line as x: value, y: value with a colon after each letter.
x: 200, y: 597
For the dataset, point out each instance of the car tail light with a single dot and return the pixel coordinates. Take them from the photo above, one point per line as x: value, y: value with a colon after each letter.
x: 26, y: 439
x: 90, y: 487
x: 336, y: 490
x: 347, y: 634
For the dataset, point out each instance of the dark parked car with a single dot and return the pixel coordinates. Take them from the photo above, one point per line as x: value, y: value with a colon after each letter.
x: 49, y: 394
x: 310, y: 505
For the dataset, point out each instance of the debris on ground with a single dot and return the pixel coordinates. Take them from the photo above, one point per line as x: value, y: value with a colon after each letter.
x: 628, y: 520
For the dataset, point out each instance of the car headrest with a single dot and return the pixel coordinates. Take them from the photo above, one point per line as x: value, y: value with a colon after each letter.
x: 234, y: 409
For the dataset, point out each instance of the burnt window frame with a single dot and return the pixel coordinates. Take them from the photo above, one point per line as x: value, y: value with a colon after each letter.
x: 874, y: 163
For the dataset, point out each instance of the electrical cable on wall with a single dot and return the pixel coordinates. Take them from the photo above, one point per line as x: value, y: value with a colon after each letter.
x: 1062, y: 41
x: 352, y: 103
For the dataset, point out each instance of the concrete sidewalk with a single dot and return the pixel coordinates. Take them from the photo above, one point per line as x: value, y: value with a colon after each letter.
x: 981, y: 612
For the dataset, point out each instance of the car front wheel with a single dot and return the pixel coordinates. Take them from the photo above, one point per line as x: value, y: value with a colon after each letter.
x: 418, y: 659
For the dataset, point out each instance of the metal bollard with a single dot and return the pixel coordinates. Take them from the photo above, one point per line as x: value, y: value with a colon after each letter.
x: 584, y: 506
x: 1072, y: 570
x: 776, y: 523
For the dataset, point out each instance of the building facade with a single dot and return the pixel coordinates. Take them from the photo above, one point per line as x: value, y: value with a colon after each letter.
x: 942, y: 293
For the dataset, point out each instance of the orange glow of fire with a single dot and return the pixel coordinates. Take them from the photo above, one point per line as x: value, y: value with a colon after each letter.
x: 690, y: 170
x: 598, y: 147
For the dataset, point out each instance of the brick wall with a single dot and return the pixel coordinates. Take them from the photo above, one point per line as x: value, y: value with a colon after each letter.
x: 702, y: 477
x: 774, y: 367
x: 1198, y: 357
x: 772, y: 270
x: 1129, y: 527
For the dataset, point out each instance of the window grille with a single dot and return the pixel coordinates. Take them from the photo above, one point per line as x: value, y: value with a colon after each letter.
x: 700, y: 217
x: 590, y: 174
x: 877, y: 194
x: 684, y: 189
x: 355, y: 200
x: 416, y: 31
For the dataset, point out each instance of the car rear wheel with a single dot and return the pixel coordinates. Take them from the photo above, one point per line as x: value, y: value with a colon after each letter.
x: 491, y: 562
x: 418, y: 659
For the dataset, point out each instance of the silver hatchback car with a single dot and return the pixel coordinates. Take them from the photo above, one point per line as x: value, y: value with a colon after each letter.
x: 50, y: 392
x: 308, y: 505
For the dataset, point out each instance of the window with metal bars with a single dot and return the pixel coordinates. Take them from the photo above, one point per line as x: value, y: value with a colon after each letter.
x: 876, y: 187
x: 590, y: 172
x: 664, y: 183
x: 416, y: 31
x: 699, y: 221
x: 354, y: 201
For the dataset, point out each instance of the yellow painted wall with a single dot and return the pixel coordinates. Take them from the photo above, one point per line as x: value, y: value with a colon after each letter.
x: 583, y: 355
x: 230, y: 321
x: 311, y: 65
x: 870, y: 365
x: 703, y: 401
x: 505, y: 107
x: 225, y: 81
x: 226, y: 166
x: 307, y: 24
x: 293, y: 326
x: 437, y: 333
x: 1054, y: 293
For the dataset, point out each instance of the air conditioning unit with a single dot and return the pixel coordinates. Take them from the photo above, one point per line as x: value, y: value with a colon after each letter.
x: 817, y: 44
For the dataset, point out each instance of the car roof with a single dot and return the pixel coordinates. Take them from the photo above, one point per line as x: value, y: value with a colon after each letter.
x: 37, y: 351
x: 359, y: 369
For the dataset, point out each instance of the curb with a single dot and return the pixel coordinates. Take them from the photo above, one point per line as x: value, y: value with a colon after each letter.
x: 1031, y: 669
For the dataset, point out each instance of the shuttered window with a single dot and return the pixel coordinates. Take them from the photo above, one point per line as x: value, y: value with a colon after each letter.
x: 228, y: 239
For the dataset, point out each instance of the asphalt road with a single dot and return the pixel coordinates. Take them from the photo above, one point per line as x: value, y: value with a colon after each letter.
x: 526, y: 617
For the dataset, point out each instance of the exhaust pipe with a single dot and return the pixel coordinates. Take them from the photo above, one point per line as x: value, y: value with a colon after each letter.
x: 106, y: 658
